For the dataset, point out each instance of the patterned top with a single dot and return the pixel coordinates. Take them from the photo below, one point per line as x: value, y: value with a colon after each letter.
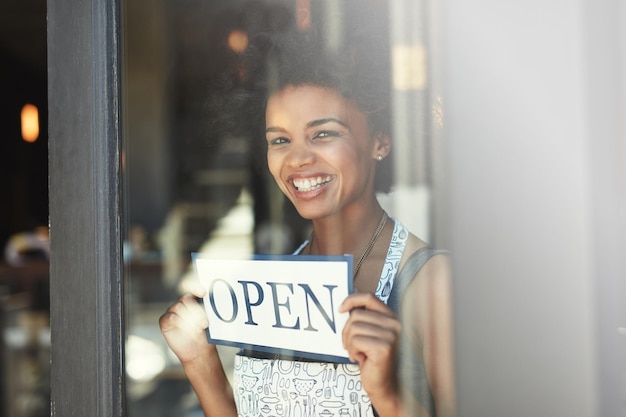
x: 290, y: 388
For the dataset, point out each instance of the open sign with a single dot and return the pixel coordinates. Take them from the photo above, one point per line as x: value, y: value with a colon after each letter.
x: 278, y: 303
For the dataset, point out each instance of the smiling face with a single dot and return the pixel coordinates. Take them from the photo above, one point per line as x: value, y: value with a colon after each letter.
x: 320, y: 150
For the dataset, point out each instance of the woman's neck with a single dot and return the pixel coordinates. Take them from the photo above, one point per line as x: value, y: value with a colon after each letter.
x: 345, y: 233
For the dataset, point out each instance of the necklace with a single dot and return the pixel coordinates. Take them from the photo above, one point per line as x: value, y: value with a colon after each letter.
x: 370, y: 244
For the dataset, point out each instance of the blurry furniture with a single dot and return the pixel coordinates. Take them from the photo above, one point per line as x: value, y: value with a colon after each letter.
x: 25, y: 342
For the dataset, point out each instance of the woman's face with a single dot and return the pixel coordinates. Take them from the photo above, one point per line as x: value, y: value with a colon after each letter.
x: 320, y: 150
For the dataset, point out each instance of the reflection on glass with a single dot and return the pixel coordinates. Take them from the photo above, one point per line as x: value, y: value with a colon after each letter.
x: 194, y: 157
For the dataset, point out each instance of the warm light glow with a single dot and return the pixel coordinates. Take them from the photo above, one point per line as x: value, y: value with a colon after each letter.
x: 303, y: 15
x: 409, y: 66
x: 30, y: 123
x: 238, y: 41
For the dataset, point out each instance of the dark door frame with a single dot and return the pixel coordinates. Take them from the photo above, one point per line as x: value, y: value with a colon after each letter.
x: 86, y: 271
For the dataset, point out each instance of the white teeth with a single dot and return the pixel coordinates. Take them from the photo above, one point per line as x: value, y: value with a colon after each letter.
x: 309, y: 184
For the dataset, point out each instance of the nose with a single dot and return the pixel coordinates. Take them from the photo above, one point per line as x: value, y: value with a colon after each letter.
x: 300, y: 155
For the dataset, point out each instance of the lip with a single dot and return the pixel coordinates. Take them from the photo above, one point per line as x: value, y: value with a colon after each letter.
x: 309, y: 194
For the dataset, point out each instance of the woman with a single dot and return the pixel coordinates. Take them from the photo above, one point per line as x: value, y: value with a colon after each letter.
x: 326, y: 143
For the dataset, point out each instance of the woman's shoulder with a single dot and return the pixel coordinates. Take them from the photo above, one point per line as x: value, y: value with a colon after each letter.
x: 414, y: 244
x: 427, y: 296
x: 435, y: 270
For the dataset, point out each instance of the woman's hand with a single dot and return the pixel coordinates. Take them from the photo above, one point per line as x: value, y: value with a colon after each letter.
x: 371, y: 337
x: 184, y: 326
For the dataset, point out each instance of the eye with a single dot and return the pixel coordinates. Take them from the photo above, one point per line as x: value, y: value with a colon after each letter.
x: 325, y: 134
x: 281, y: 140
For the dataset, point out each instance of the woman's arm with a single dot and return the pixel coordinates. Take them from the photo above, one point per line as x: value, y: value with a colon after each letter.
x: 211, y: 386
x: 427, y: 303
x: 184, y: 326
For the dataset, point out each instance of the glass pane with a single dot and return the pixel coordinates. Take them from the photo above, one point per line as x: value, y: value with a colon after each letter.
x: 194, y: 159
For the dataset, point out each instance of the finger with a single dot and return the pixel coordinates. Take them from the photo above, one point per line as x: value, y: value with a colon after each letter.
x: 366, y: 303
x: 367, y: 336
x: 171, y: 322
x: 194, y: 309
x: 369, y: 345
x: 197, y: 290
x: 364, y: 300
x: 363, y: 322
x: 383, y: 317
x: 386, y: 330
x: 372, y: 323
x: 189, y: 310
x: 374, y: 349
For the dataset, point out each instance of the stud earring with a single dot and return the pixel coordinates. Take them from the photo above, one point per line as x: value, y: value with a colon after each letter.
x: 379, y: 157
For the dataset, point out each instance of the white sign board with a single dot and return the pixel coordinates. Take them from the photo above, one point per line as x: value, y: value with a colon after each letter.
x: 278, y: 304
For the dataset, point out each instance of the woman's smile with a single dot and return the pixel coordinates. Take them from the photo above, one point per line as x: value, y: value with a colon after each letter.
x: 309, y: 184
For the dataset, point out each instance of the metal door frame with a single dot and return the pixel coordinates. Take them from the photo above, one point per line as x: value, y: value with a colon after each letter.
x: 85, y: 208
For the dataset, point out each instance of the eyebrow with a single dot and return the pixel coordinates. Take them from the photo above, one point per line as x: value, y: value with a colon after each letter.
x: 320, y: 122
x: 312, y: 123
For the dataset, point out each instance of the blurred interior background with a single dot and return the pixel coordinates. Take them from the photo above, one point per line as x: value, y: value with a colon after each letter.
x: 24, y: 289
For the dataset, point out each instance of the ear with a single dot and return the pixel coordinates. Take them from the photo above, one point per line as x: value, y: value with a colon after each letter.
x: 382, y: 146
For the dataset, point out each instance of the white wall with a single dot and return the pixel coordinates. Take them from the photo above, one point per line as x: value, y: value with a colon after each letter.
x: 536, y: 203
